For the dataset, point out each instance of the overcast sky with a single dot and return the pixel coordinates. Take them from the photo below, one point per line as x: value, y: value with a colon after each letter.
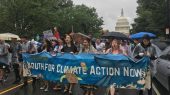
x: 111, y: 9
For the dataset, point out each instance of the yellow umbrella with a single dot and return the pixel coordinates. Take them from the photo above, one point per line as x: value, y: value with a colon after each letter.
x: 8, y: 36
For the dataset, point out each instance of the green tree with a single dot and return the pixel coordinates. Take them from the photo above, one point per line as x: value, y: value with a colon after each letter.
x: 151, y: 16
x: 81, y: 18
x: 31, y: 17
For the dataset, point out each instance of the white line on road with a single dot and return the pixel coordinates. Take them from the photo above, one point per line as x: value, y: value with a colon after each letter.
x: 155, y: 89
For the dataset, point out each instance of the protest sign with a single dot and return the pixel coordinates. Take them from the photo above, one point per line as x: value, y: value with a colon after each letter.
x: 49, y: 35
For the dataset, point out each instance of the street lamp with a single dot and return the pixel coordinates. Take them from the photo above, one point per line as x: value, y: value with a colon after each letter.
x: 167, y: 30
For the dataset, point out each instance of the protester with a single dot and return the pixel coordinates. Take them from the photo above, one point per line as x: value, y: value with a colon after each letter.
x: 15, y: 48
x: 59, y: 46
x: 88, y: 48
x: 26, y: 47
x: 58, y: 49
x: 47, y: 47
x: 100, y: 46
x: 146, y: 48
x: 115, y: 49
x: 56, y: 33
x: 69, y: 47
x: 3, y: 52
x: 78, y: 43
x: 124, y: 46
x: 3, y: 60
x: 132, y: 46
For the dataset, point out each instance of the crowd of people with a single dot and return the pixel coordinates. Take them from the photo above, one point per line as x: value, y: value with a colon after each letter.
x: 11, y: 56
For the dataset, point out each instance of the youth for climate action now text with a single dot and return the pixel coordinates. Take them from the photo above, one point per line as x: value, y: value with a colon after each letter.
x: 92, y: 70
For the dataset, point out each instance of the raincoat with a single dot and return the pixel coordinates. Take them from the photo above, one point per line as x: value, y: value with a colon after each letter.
x: 151, y: 51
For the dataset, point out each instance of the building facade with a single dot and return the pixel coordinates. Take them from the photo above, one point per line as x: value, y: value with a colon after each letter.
x: 122, y: 24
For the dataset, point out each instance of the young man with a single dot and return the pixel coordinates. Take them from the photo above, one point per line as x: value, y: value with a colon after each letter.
x: 146, y: 48
x: 27, y: 47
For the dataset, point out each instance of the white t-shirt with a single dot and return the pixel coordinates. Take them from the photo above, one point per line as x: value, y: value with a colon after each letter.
x: 100, y: 47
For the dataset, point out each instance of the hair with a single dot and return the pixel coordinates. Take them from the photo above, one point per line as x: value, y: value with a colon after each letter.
x: 87, y: 39
x: 24, y: 36
x: 146, y: 36
x: 48, y: 45
x: 70, y: 38
x: 118, y: 42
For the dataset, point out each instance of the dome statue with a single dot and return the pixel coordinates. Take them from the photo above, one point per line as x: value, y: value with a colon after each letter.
x: 122, y: 24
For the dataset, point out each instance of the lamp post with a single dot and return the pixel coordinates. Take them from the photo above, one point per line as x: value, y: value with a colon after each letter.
x: 72, y: 27
x: 167, y: 30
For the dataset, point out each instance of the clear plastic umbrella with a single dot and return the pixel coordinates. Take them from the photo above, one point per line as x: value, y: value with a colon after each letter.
x: 8, y: 36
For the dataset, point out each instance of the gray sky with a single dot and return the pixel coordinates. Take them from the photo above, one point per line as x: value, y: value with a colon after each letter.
x: 111, y: 9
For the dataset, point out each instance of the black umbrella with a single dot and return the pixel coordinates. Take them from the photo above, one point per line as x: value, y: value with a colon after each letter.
x: 115, y: 35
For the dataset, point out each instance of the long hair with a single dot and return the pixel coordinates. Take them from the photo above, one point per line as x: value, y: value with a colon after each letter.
x: 48, y: 45
x: 89, y: 41
x: 72, y: 43
x: 118, y: 43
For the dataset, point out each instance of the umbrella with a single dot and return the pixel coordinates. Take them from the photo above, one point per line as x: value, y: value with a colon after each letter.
x: 141, y: 34
x: 8, y: 36
x: 78, y: 37
x: 115, y: 35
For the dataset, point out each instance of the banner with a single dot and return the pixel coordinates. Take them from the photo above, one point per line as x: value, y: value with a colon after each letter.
x: 101, y: 70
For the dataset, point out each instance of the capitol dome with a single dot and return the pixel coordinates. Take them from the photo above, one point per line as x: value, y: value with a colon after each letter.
x: 122, y: 24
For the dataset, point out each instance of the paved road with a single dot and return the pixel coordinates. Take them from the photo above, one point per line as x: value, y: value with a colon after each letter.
x: 18, y: 89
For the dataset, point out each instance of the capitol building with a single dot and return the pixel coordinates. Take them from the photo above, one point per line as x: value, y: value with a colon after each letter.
x: 122, y: 24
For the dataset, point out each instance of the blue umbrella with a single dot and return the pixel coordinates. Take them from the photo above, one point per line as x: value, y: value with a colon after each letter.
x: 141, y: 34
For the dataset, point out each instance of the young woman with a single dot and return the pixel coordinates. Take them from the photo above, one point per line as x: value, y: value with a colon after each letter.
x: 69, y: 47
x: 115, y: 49
x: 59, y: 46
x: 88, y: 48
x: 47, y: 47
x: 57, y: 49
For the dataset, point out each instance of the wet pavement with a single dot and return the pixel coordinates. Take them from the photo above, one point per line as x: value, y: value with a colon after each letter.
x: 34, y: 89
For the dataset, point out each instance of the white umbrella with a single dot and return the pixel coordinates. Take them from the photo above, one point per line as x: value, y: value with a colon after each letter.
x: 8, y: 36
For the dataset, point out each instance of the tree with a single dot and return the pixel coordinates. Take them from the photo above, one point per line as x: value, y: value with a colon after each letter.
x: 151, y: 16
x: 32, y: 17
x: 81, y: 18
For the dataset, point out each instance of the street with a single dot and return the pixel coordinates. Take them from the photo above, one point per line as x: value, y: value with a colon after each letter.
x: 18, y: 89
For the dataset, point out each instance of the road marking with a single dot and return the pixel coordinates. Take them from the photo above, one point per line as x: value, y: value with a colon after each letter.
x: 155, y: 89
x: 12, y: 88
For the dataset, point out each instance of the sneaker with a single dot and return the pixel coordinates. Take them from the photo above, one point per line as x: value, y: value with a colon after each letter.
x: 46, y: 89
x: 42, y: 88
